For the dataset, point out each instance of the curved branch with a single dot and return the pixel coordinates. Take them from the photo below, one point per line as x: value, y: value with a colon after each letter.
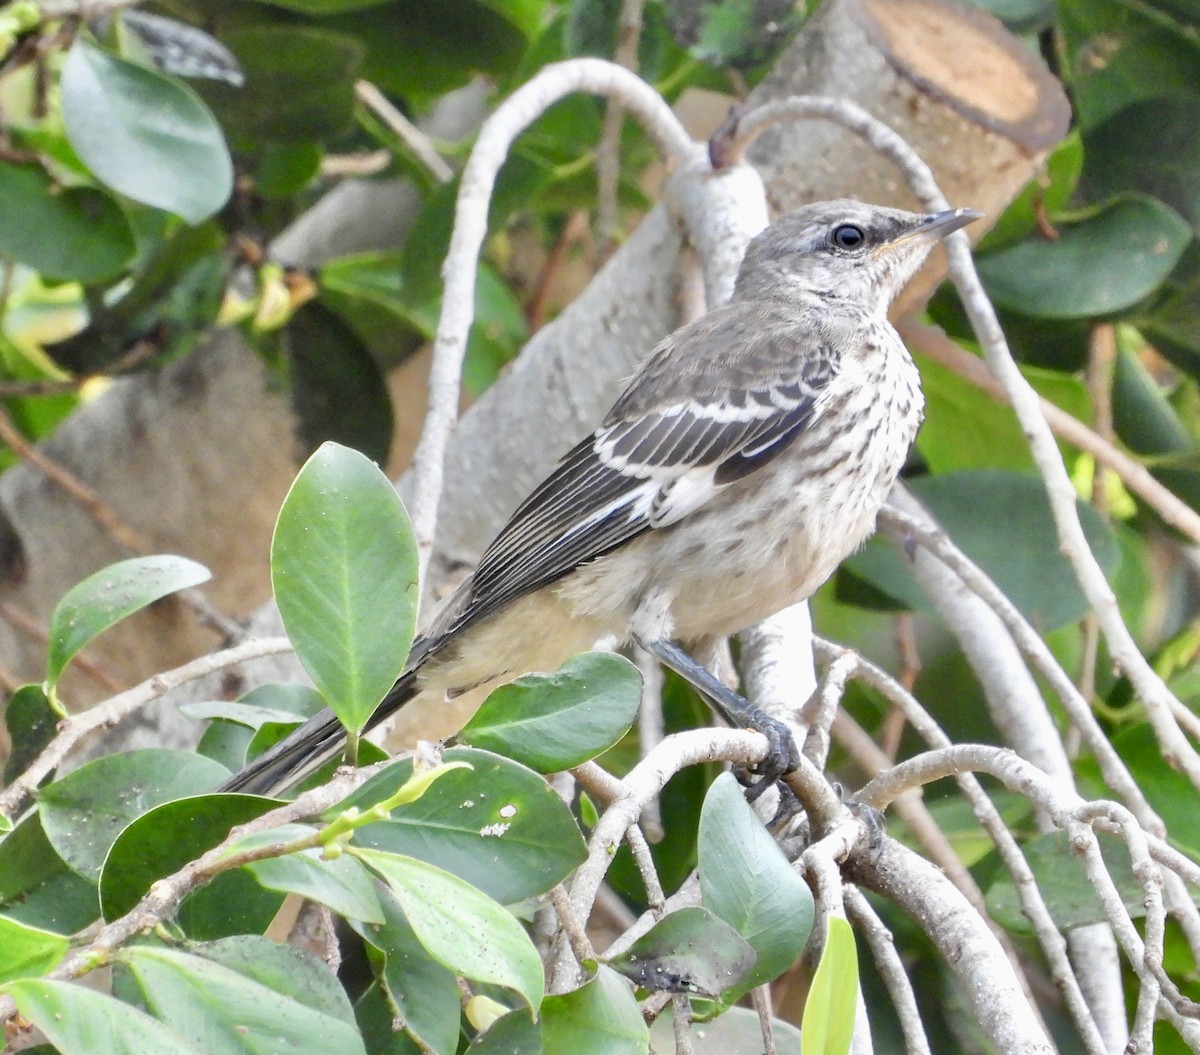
x: 512, y: 117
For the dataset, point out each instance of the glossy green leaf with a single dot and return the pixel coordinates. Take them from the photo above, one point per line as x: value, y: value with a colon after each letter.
x: 1168, y: 791
x: 828, y: 1021
x: 299, y: 85
x: 515, y: 1032
x: 36, y: 886
x: 85, y: 811
x: 1098, y: 266
x: 341, y: 883
x: 27, y: 952
x: 370, y: 292
x: 1142, y: 415
x: 443, y: 46
x: 285, y: 969
x: 285, y: 169
x: 1019, y: 553
x: 965, y: 428
x: 552, y: 722
x: 733, y: 32
x: 107, y: 597
x: 66, y: 233
x: 1045, y: 196
x: 164, y: 839
x: 1152, y: 147
x: 1119, y: 52
x: 31, y: 723
x: 737, y: 1031
x: 1064, y: 885
x: 224, y: 1012
x: 688, y: 951
x: 73, y: 1016
x: 344, y: 569
x: 331, y: 370
x: 601, y: 1017
x: 320, y: 8
x: 746, y: 881
x: 497, y: 825
x: 463, y: 929
x: 144, y: 134
x: 422, y: 996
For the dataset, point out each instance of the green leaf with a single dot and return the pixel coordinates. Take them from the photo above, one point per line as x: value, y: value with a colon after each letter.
x: 443, y: 46
x: 144, y: 134
x: 224, y: 1012
x: 67, y: 233
x: 688, y: 951
x: 85, y: 811
x: 331, y: 370
x: 1119, y: 52
x: 601, y: 1017
x: 1064, y: 885
x: 1019, y: 553
x: 164, y: 839
x: 299, y: 85
x: 497, y: 825
x: 965, y: 428
x: 746, y: 881
x: 28, y: 951
x: 295, y: 973
x: 517, y: 1032
x: 735, y: 1032
x: 107, y: 597
x: 37, y: 888
x: 463, y: 929
x: 552, y: 722
x: 1142, y: 415
x: 828, y: 1021
x: 738, y: 33
x: 422, y: 995
x: 1170, y: 794
x: 1152, y: 147
x: 1046, y: 194
x: 369, y: 291
x: 285, y: 169
x: 31, y: 723
x: 73, y: 1017
x: 1099, y: 266
x: 344, y: 568
x: 341, y: 883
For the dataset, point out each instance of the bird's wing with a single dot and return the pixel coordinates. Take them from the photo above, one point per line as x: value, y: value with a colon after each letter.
x: 715, y: 402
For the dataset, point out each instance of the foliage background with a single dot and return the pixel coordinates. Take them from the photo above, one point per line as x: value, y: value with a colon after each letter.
x: 143, y: 171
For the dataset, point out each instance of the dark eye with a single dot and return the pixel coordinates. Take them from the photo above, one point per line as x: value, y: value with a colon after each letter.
x: 847, y: 236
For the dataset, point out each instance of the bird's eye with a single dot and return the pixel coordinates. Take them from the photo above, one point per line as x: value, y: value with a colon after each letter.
x: 847, y: 236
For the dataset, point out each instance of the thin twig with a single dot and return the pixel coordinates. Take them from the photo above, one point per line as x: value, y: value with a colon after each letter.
x: 512, y: 117
x: 109, y: 712
x: 608, y: 152
x: 89, y: 499
x: 23, y: 622
x: 891, y: 970
x: 412, y: 137
x: 935, y: 345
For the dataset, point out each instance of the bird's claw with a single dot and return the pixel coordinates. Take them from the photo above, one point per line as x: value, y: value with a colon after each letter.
x: 782, y: 755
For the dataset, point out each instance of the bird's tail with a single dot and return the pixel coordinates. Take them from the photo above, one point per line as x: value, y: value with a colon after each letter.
x: 318, y: 740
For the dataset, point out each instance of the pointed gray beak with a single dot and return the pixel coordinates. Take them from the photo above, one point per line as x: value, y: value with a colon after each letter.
x: 940, y: 224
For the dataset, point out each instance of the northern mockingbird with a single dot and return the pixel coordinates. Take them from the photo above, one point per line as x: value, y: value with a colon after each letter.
x: 749, y: 455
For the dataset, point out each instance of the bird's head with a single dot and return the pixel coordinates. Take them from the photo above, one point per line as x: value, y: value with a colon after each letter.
x: 845, y: 250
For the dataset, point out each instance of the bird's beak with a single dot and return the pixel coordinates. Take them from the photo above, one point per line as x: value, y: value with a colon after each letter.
x: 933, y: 227
x: 940, y: 224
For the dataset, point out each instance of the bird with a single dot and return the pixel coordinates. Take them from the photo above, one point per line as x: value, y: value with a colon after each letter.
x: 747, y: 456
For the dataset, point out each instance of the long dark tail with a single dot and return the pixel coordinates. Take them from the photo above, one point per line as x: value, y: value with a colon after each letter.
x: 312, y: 745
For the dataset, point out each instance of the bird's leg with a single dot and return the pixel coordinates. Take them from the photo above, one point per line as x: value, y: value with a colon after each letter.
x: 782, y: 753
